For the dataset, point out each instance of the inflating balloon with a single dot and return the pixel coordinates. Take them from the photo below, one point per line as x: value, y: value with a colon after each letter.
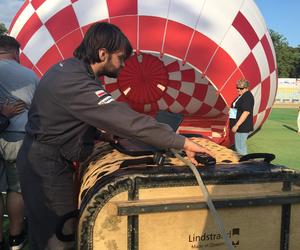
x: 188, y: 57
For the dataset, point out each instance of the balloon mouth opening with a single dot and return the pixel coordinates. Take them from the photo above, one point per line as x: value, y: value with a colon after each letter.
x: 144, y: 80
x: 150, y: 82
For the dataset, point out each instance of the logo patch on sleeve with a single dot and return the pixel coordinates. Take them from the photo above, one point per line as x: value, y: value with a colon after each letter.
x: 100, y: 93
x: 107, y: 99
x: 104, y: 97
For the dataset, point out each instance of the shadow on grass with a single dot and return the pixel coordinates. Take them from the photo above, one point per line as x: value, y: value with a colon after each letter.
x: 290, y: 128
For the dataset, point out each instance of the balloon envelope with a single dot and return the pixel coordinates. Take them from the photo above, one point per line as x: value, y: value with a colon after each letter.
x: 188, y: 57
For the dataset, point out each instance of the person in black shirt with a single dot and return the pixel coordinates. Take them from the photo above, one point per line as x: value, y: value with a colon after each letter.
x: 241, y: 116
x: 68, y: 105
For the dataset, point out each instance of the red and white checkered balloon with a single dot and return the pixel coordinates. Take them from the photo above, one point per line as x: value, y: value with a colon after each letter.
x: 189, y: 53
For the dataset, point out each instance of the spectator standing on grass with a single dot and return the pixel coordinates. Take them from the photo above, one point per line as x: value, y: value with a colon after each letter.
x: 298, y: 120
x: 17, y: 85
x: 241, y: 116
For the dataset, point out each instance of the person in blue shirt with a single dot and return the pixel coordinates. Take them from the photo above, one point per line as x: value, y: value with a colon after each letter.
x: 17, y: 85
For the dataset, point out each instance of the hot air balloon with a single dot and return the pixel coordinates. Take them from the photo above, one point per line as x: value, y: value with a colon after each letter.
x: 188, y: 56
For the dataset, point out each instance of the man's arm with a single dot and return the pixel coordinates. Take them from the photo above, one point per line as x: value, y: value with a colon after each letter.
x: 243, y: 117
x: 92, y: 104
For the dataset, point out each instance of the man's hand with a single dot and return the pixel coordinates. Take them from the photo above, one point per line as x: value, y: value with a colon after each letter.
x: 191, y: 148
x: 12, y: 109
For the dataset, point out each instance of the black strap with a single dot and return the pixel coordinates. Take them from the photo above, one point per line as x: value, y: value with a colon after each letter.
x: 266, y: 156
x: 60, y: 226
x: 132, y: 162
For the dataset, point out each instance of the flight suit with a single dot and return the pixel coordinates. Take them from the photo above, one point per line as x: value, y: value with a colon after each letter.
x: 68, y: 105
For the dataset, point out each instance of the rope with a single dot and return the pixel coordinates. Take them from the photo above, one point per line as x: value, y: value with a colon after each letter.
x: 207, y: 199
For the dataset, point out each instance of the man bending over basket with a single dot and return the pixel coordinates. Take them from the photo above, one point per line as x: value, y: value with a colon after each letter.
x: 68, y: 105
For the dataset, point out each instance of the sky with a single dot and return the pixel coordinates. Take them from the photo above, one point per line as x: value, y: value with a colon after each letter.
x: 280, y: 16
x: 8, y: 9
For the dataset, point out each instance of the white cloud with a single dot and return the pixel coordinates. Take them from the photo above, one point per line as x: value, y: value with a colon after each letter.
x: 9, y: 8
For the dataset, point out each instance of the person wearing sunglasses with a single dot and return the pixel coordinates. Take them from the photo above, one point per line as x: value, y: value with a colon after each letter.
x: 241, y: 116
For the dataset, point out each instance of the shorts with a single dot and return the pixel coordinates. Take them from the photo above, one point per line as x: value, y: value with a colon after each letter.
x: 10, y: 144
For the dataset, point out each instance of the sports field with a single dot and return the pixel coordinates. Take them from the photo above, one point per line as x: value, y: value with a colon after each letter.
x: 279, y: 136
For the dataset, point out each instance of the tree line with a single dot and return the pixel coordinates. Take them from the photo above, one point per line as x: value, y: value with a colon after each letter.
x: 288, y: 58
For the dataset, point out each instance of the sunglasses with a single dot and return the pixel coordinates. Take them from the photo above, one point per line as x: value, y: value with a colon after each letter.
x: 239, y: 88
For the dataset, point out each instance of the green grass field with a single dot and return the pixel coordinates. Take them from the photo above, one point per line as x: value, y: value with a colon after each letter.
x: 279, y: 136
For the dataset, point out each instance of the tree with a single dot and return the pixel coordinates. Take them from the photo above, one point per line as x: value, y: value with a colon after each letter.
x: 287, y: 57
x: 3, y: 29
x: 297, y: 67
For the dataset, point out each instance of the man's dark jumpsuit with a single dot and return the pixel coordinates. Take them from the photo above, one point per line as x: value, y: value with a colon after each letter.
x: 68, y: 105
